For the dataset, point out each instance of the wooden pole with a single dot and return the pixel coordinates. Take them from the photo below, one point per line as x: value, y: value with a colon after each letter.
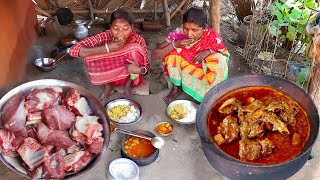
x: 166, y: 12
x: 85, y: 11
x: 155, y: 8
x: 177, y: 9
x: 91, y: 10
x: 215, y: 14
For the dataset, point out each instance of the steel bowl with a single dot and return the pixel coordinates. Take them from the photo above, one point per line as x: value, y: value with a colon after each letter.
x: 161, y: 134
x: 140, y: 161
x: 127, y: 102
x: 233, y: 168
x: 68, y: 41
x: 94, y: 103
x: 190, y: 117
x: 45, y: 64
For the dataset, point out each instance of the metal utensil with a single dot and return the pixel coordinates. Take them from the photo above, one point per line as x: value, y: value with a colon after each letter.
x: 157, y: 142
x: 57, y: 60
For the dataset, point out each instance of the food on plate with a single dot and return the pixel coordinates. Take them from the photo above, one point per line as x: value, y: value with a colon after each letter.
x: 178, y: 111
x: 118, y: 112
x: 52, y: 134
x: 164, y: 128
x: 112, y: 127
x: 259, y: 125
x: 138, y: 147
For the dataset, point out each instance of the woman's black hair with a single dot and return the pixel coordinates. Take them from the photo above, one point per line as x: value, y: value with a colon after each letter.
x: 121, y: 13
x: 195, y: 15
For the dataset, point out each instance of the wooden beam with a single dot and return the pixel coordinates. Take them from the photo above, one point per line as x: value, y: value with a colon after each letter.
x: 177, y: 9
x: 85, y: 11
x: 215, y: 14
x: 91, y: 10
x: 166, y: 12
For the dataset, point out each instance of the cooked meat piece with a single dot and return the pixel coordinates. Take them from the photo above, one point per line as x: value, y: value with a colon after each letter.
x: 296, y: 138
x: 76, y: 104
x: 268, y: 126
x: 76, y: 161
x: 40, y: 99
x: 252, y: 107
x: 219, y: 139
x: 256, y: 130
x: 229, y: 128
x: 95, y: 146
x: 249, y: 150
x: 53, y: 166
x: 58, y: 118
x: 249, y: 100
x: 13, y: 116
x: 276, y: 122
x: 6, y: 147
x: 288, y: 111
x: 266, y: 146
x: 57, y: 138
x: 244, y: 129
x: 229, y: 106
x: 86, y: 129
x: 32, y: 153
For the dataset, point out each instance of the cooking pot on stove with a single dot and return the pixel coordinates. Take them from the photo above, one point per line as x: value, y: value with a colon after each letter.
x: 235, y: 169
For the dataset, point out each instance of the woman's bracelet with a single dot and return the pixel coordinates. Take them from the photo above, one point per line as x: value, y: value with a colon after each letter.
x: 107, y: 47
x: 145, y: 70
x: 172, y: 42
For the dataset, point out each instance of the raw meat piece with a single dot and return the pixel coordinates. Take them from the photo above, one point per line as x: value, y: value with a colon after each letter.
x: 14, y: 117
x: 78, y: 105
x: 36, y: 173
x: 57, y: 138
x: 33, y: 118
x: 6, y: 139
x: 31, y: 133
x: 32, y: 153
x: 58, y: 117
x: 95, y: 146
x: 17, y: 142
x: 40, y: 99
x: 76, y: 161
x: 75, y: 148
x: 89, y: 127
x: 53, y: 167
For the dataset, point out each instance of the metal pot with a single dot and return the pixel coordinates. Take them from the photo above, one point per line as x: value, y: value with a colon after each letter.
x: 80, y: 31
x: 235, y: 169
x: 93, y: 102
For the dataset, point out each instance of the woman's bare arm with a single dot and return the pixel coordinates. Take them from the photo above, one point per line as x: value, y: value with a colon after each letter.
x: 161, y: 50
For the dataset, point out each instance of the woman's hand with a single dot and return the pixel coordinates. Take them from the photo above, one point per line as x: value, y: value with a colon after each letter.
x: 133, y: 69
x: 115, y: 45
x: 182, y: 43
x: 201, y: 56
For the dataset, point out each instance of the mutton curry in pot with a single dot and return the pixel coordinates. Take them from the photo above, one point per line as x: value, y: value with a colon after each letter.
x: 259, y: 125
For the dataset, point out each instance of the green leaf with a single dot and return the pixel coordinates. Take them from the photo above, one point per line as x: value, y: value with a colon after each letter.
x: 302, y: 76
x: 291, y: 36
x: 292, y: 29
x: 279, y: 15
x: 301, y: 28
x: 283, y: 38
x: 310, y: 4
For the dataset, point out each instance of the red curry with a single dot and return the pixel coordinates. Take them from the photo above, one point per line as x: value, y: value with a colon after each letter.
x: 283, y: 150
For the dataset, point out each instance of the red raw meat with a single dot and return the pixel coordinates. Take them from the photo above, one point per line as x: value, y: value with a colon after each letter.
x: 31, y: 133
x: 95, y: 146
x: 78, y: 105
x: 86, y: 129
x: 40, y: 99
x: 14, y: 117
x: 6, y: 139
x: 75, y: 148
x: 57, y: 138
x: 76, y: 161
x: 33, y: 118
x: 53, y: 167
x: 58, y: 117
x: 17, y: 142
x: 32, y: 153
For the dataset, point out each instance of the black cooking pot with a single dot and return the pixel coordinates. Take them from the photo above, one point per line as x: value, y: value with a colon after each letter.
x: 235, y: 169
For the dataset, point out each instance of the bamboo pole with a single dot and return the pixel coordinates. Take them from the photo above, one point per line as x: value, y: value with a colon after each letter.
x: 177, y: 9
x: 166, y: 12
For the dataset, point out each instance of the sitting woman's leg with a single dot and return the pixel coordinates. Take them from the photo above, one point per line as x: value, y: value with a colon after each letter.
x: 174, y: 93
x: 108, y: 88
x: 128, y: 88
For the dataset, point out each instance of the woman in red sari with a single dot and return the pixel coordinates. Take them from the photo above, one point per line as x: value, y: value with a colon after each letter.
x: 193, y: 56
x: 115, y: 57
